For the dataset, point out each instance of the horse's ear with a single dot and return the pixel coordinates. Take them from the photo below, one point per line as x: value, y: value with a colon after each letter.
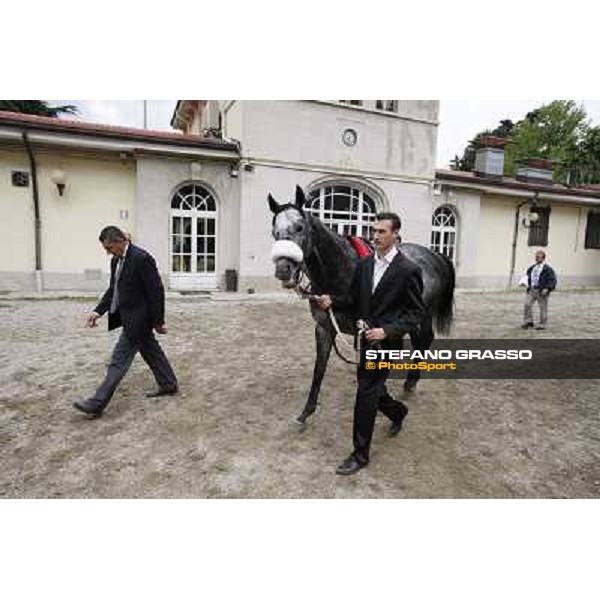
x: 273, y: 204
x: 300, y: 197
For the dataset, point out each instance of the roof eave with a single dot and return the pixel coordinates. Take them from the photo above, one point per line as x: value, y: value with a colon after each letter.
x: 516, y: 187
x: 145, y: 137
x: 70, y: 140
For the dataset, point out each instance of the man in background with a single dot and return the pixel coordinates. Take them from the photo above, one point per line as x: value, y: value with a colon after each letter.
x: 541, y: 280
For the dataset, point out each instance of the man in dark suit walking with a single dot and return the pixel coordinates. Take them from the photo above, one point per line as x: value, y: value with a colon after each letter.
x: 134, y: 300
x: 386, y: 293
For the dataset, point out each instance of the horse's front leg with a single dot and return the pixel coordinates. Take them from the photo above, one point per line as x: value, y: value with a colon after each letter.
x: 421, y: 340
x: 324, y: 342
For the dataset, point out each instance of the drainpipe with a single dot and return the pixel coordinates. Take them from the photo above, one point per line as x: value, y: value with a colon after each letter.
x: 36, y: 211
x: 515, y: 236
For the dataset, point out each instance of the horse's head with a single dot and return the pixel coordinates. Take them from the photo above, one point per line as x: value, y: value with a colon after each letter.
x: 292, y: 238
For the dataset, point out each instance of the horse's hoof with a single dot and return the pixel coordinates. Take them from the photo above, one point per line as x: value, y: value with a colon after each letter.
x: 300, y: 420
x: 410, y: 386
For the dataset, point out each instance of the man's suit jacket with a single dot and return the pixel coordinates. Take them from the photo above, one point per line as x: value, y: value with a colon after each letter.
x: 396, y: 305
x: 547, y: 278
x: 141, y: 295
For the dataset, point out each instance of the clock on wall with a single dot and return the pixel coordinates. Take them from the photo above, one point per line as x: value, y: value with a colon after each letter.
x: 349, y: 137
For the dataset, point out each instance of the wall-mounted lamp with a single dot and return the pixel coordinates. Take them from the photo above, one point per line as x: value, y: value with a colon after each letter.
x: 532, y: 217
x: 234, y: 170
x: 59, y: 179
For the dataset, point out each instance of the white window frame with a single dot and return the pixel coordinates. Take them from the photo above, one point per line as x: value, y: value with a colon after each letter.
x: 444, y: 222
x: 348, y: 221
x: 194, y: 279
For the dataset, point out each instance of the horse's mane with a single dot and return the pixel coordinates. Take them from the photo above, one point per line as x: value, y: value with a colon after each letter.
x: 332, y: 261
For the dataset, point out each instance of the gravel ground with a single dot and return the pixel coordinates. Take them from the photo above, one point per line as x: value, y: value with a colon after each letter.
x: 244, y: 365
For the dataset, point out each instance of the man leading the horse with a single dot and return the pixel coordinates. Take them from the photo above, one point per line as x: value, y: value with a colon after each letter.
x: 386, y: 293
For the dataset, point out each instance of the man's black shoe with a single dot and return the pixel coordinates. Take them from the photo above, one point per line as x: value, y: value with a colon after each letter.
x: 350, y: 466
x: 395, y: 428
x: 161, y: 392
x: 87, y: 407
x: 527, y: 325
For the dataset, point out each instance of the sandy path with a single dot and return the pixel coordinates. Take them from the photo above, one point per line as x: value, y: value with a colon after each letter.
x: 244, y: 368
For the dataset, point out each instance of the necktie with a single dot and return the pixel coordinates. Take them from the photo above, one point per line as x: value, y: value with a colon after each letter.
x: 114, y: 304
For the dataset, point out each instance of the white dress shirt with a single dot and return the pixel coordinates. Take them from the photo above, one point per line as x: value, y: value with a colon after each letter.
x: 381, y: 265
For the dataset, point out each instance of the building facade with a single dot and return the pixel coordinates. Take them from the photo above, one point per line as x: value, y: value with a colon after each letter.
x: 197, y: 198
x: 353, y: 158
x: 62, y: 181
x: 491, y: 225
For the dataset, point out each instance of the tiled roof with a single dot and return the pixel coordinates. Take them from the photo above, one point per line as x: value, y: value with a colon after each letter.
x: 34, y: 122
x: 587, y: 191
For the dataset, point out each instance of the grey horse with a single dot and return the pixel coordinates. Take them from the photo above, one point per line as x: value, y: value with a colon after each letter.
x: 303, y: 244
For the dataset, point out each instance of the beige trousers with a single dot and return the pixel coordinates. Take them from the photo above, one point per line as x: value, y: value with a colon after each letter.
x: 533, y: 296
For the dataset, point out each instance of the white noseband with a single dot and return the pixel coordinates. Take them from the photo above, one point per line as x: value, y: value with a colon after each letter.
x: 287, y: 249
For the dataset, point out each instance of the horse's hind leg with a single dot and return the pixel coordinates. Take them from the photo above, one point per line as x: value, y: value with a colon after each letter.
x: 421, y: 340
x: 324, y: 343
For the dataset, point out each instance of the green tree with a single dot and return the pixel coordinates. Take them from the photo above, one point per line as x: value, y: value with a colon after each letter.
x: 37, y: 107
x: 558, y: 131
x: 466, y: 162
x: 585, y: 166
x: 554, y: 132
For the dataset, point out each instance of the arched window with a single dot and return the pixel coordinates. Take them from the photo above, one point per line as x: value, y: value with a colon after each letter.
x: 443, y: 231
x: 193, y: 196
x: 345, y: 209
x: 193, y: 236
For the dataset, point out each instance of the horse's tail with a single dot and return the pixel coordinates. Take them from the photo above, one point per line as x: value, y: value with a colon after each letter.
x: 443, y: 313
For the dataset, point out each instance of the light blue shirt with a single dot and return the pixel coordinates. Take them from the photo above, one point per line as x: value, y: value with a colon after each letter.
x: 535, y: 274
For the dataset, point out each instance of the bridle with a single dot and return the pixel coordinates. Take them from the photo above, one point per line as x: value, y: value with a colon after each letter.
x: 303, y: 286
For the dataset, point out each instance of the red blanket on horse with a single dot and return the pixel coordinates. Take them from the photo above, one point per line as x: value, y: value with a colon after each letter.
x: 363, y: 247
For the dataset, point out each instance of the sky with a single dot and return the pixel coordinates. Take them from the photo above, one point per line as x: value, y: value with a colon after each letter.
x: 460, y: 120
x: 124, y: 112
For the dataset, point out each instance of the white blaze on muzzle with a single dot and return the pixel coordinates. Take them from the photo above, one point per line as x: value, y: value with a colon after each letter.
x: 286, y: 249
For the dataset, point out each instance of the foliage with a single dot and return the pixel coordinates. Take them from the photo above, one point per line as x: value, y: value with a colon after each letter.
x: 37, y: 107
x: 559, y: 131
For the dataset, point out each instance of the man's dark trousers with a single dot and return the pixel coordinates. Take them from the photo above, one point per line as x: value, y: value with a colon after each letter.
x: 371, y: 396
x: 121, y: 359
